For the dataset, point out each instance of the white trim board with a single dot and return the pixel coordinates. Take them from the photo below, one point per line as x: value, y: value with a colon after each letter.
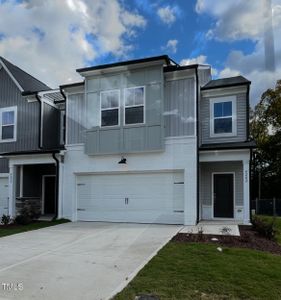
x: 10, y: 74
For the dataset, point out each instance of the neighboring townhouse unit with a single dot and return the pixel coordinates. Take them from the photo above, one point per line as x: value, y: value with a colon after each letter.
x: 150, y: 141
x: 30, y: 137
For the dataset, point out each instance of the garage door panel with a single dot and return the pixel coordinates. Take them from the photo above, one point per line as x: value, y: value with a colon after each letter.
x: 147, y: 198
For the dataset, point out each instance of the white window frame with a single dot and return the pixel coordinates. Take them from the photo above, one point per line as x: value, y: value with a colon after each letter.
x: 128, y: 106
x: 7, y: 109
x: 103, y: 109
x: 213, y: 101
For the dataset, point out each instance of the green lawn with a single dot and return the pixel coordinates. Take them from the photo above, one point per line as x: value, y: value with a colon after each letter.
x: 183, y: 271
x: 22, y: 228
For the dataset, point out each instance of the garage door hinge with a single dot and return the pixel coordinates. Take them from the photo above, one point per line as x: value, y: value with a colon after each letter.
x: 81, y: 209
x: 81, y: 184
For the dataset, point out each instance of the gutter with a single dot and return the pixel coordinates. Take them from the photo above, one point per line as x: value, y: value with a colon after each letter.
x: 40, y: 120
x: 248, y: 112
x: 57, y: 184
x: 197, y: 144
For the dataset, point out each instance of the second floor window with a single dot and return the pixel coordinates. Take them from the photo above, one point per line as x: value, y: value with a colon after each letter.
x: 134, y: 105
x: 223, y: 117
x: 8, y: 117
x: 110, y: 102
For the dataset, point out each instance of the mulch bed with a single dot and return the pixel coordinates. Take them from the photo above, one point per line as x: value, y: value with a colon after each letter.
x: 248, y: 238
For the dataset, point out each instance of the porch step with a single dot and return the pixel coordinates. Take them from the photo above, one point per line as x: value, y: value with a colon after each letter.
x: 213, y: 229
x: 46, y: 218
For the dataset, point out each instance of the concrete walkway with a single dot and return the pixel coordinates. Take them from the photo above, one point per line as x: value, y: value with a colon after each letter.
x: 82, y: 260
x: 213, y: 228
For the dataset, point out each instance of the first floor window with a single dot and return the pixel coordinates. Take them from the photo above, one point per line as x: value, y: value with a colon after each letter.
x: 8, y: 123
x: 134, y: 105
x: 110, y: 102
x: 223, y: 117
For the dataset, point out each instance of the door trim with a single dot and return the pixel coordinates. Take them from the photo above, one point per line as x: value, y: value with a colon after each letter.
x: 43, y: 192
x: 212, y: 190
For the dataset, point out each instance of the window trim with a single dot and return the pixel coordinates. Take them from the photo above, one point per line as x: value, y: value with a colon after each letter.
x: 103, y: 109
x: 129, y: 106
x: 213, y: 101
x: 7, y: 109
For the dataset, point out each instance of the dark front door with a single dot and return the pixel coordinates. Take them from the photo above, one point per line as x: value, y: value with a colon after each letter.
x: 49, y: 194
x: 223, y: 195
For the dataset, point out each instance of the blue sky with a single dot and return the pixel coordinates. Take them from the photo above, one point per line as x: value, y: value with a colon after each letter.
x: 51, y: 38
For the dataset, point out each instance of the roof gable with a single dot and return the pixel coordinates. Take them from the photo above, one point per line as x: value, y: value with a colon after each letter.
x: 24, y: 81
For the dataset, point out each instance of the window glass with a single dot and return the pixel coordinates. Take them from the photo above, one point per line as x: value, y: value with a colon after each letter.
x: 109, y: 117
x: 134, y: 115
x: 223, y: 125
x: 223, y: 117
x: 110, y: 99
x: 110, y: 108
x: 7, y: 132
x: 134, y: 105
x: 222, y: 109
x: 8, y: 117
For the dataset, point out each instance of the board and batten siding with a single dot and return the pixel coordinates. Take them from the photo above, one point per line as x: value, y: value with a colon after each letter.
x: 27, y: 137
x: 4, y: 165
x: 206, y: 170
x: 179, y: 107
x: 83, y: 114
x: 241, y: 106
x: 76, y: 119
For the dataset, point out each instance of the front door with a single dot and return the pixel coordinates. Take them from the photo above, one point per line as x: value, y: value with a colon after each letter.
x: 223, y: 195
x: 49, y: 195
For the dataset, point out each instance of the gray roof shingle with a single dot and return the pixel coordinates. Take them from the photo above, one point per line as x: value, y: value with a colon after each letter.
x: 25, y: 80
x: 226, y: 82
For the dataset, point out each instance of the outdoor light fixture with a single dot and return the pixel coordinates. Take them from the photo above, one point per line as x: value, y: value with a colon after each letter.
x: 123, y: 160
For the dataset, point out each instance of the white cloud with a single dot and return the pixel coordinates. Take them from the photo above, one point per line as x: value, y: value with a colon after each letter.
x: 171, y: 46
x: 50, y: 39
x: 201, y: 59
x: 167, y: 14
x: 242, y: 20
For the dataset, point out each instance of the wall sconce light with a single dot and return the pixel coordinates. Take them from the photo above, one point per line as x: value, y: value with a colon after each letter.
x: 123, y: 160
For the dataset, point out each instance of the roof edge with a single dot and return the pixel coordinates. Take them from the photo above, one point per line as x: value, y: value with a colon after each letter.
x: 125, y: 63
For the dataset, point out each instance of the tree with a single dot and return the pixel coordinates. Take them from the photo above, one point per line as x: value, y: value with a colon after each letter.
x: 265, y: 127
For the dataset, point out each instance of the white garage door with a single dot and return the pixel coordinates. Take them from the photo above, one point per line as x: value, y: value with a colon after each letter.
x: 143, y: 198
x: 4, y: 192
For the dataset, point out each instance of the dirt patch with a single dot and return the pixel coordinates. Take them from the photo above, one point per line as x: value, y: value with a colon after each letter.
x: 248, y: 238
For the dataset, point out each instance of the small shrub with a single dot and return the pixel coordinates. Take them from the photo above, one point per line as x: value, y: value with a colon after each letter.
x: 23, y: 220
x: 263, y: 227
x: 25, y: 216
x: 6, y: 220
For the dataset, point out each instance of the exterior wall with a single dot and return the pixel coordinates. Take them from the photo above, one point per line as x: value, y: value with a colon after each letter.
x: 241, y: 106
x: 51, y: 123
x: 83, y: 114
x: 206, y: 170
x: 179, y: 107
x: 27, y: 116
x: 204, y: 75
x: 4, y: 165
x: 179, y: 155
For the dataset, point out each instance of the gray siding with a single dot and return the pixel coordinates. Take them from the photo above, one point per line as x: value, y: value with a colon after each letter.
x: 4, y: 165
x: 179, y: 111
x: 27, y: 116
x: 51, y: 127
x: 76, y: 119
x: 83, y: 114
x: 206, y: 170
x: 204, y: 76
x: 241, y: 121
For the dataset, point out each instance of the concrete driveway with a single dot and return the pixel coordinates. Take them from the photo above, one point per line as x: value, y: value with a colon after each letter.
x: 84, y: 260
